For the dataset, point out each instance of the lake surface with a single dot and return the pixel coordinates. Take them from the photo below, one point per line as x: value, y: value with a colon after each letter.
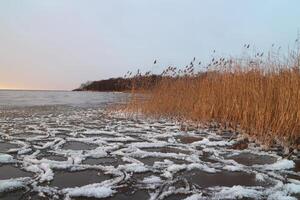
x: 66, y: 145
x: 23, y: 98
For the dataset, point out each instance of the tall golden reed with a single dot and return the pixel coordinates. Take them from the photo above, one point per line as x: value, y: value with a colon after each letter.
x: 260, y: 98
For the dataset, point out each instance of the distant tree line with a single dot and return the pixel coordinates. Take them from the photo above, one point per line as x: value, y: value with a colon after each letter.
x: 121, y: 84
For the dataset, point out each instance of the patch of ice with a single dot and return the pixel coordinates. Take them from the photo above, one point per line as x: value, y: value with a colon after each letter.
x: 279, y: 195
x: 33, y: 168
x: 283, y: 191
x: 292, y: 188
x: 134, y: 152
x: 96, y: 153
x: 174, y: 168
x: 232, y: 168
x: 24, y: 151
x: 160, y: 195
x: 195, y: 197
x: 6, y: 158
x: 148, y: 144
x: 48, y: 144
x: 92, y: 190
x: 44, y: 171
x: 279, y: 165
x: 238, y: 192
x: 12, y: 184
x: 47, y: 174
x: 259, y: 177
x: 207, y: 142
x: 297, y: 182
x: 194, y: 158
x: 201, y: 167
x: 134, y: 167
x: 152, y: 180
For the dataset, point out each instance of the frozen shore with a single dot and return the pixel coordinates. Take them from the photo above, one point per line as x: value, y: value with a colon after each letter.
x: 60, y: 152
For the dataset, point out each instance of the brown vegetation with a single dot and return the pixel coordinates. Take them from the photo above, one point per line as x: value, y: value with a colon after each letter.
x: 259, y: 96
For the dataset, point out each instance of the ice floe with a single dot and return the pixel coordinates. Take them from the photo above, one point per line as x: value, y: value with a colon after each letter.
x: 144, y: 156
x: 6, y: 158
x: 238, y: 192
x: 152, y: 180
x: 12, y: 184
x: 280, y: 165
x: 93, y: 190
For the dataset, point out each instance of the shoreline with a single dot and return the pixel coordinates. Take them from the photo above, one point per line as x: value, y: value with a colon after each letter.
x: 189, y: 125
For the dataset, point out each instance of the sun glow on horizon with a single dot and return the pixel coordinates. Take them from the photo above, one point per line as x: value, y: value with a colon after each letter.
x: 3, y: 87
x: 14, y: 87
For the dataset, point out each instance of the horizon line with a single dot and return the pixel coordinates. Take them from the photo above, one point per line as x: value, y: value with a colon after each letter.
x: 23, y: 89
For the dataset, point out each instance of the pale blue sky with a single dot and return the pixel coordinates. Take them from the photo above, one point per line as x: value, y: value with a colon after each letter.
x: 58, y: 44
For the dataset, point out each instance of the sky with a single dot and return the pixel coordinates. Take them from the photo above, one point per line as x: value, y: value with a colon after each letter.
x: 59, y: 44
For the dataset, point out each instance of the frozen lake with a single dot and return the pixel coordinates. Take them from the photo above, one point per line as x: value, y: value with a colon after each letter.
x: 21, y: 98
x: 65, y: 145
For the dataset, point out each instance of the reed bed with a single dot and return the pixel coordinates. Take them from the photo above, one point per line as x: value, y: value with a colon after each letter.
x: 257, y: 96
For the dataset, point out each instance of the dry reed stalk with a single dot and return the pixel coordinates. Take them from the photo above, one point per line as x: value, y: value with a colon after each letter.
x: 262, y: 99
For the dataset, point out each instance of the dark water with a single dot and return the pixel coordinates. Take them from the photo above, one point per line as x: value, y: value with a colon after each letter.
x: 11, y: 171
x: 63, y: 179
